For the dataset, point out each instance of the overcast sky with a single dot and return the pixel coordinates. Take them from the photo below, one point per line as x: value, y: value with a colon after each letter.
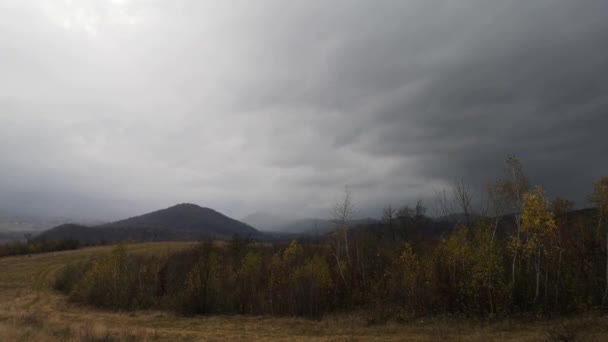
x: 114, y: 108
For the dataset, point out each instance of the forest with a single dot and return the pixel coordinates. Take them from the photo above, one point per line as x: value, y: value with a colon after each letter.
x: 31, y: 246
x: 519, y: 252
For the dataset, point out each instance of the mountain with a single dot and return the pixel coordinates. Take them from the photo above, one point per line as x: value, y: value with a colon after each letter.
x: 180, y: 222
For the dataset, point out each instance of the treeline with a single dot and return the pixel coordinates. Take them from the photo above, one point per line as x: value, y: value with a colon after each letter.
x: 36, y: 246
x: 236, y: 277
x: 518, y: 252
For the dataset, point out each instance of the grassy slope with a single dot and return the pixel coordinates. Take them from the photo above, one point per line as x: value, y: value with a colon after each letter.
x: 31, y: 311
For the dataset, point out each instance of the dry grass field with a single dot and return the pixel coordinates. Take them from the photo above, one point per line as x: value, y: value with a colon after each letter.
x: 31, y: 311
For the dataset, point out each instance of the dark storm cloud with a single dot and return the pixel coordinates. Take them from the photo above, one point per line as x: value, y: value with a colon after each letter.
x: 524, y: 78
x: 535, y: 89
x: 276, y: 105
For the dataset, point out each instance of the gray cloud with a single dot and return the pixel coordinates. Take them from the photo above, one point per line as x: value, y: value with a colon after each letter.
x: 110, y: 108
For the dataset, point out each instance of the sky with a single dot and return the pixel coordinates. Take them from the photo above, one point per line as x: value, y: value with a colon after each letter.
x: 115, y: 108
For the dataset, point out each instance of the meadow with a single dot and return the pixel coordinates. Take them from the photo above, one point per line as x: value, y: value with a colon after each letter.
x: 30, y: 310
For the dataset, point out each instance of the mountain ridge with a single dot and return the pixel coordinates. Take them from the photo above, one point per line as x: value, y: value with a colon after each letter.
x: 185, y: 221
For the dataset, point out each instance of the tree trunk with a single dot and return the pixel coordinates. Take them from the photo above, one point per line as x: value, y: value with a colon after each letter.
x: 490, y: 294
x: 606, y: 290
x: 537, y: 267
x: 517, y: 223
x: 514, y: 261
x: 338, y: 262
x: 362, y: 265
x: 599, y: 222
x: 546, y: 284
x: 350, y: 264
x: 271, y: 295
x: 559, y: 270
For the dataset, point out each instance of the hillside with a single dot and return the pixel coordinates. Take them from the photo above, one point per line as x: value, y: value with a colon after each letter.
x: 276, y: 224
x: 180, y: 222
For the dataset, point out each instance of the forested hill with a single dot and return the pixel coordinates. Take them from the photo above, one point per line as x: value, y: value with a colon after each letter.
x: 191, y: 222
x: 422, y: 228
x: 179, y: 222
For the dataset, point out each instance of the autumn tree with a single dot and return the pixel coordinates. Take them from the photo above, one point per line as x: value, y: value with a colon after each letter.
x: 200, y: 282
x: 283, y: 265
x: 458, y: 255
x: 463, y: 199
x: 560, y: 207
x: 410, y: 278
x: 600, y: 200
x: 487, y: 265
x: 511, y: 189
x: 342, y: 214
x: 312, y: 284
x: 249, y: 277
x: 443, y: 207
x: 497, y: 205
x: 538, y: 225
x: 388, y: 216
x: 108, y: 281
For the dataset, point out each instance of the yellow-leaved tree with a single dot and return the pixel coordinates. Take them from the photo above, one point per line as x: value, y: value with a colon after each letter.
x: 540, y: 230
x: 507, y: 196
x: 458, y: 255
x: 282, y: 267
x: 249, y: 278
x: 487, y: 267
x: 411, y: 278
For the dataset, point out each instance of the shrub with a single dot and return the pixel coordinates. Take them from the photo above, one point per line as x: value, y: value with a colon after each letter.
x: 68, y: 277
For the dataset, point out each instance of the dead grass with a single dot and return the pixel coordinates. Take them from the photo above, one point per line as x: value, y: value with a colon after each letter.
x: 31, y: 311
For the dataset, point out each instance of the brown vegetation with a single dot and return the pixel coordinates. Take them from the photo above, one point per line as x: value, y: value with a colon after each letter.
x: 31, y: 311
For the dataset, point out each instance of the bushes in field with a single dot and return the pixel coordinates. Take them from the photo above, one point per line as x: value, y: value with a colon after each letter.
x: 69, y: 276
x: 208, y: 279
x: 33, y: 247
x: 115, y: 281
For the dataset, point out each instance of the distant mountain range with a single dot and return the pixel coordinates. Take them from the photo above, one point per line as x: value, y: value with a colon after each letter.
x: 192, y: 222
x: 180, y: 222
x: 267, y: 222
x: 189, y: 222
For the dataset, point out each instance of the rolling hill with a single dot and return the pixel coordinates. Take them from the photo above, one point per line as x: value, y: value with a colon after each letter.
x: 180, y: 222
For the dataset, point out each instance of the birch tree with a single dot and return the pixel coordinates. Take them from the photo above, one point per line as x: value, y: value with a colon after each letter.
x: 538, y: 224
x: 512, y: 189
x: 560, y: 207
